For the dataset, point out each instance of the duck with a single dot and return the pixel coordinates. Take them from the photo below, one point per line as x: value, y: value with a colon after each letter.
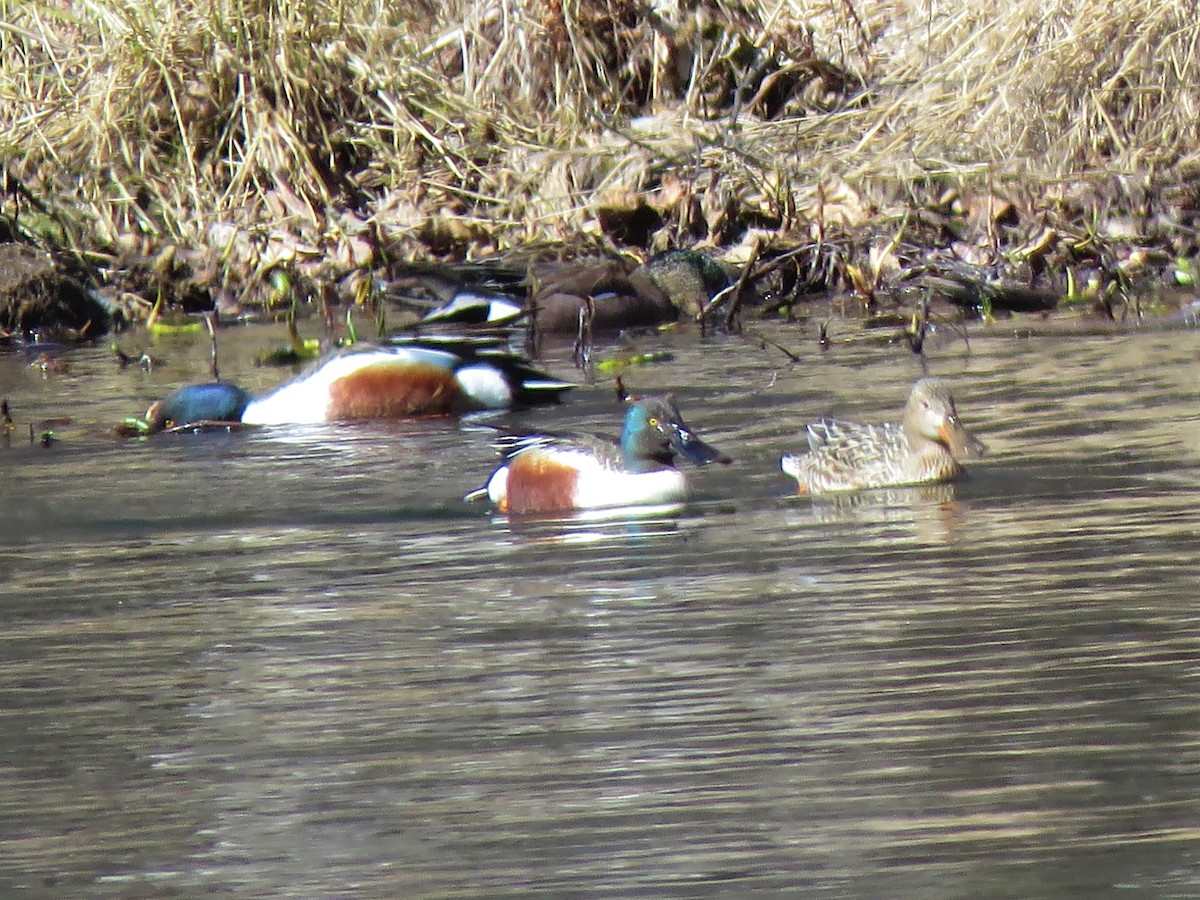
x: 923, y: 449
x: 471, y: 306
x: 601, y: 291
x: 483, y: 292
x: 690, y: 278
x: 404, y: 378
x: 542, y: 472
x: 657, y: 292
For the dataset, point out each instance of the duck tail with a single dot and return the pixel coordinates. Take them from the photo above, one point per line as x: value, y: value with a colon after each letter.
x: 790, y: 465
x: 532, y: 386
x: 544, y: 387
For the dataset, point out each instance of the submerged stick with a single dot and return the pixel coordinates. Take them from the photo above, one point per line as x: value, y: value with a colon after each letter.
x: 583, y: 339
x: 765, y: 342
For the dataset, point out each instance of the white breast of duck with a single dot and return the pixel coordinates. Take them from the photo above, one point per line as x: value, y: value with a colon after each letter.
x: 383, y: 383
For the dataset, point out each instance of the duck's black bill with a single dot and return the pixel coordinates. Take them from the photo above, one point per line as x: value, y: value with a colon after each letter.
x: 697, y: 451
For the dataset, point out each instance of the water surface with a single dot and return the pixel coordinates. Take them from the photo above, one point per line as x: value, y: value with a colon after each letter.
x: 293, y: 662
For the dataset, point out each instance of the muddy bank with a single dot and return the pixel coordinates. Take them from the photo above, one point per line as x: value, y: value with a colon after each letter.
x: 909, y: 293
x: 873, y: 155
x: 38, y: 299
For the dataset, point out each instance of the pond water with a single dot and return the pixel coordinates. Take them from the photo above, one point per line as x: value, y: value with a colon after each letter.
x: 293, y: 662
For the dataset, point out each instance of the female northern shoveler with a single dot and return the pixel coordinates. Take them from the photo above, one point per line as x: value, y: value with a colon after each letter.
x: 604, y: 292
x: 658, y: 291
x: 555, y: 473
x: 846, y: 457
x: 404, y: 379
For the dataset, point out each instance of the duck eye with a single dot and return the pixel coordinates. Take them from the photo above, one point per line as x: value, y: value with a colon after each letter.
x: 652, y: 422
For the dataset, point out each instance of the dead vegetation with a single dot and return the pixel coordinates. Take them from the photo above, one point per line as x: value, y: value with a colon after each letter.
x: 857, y: 146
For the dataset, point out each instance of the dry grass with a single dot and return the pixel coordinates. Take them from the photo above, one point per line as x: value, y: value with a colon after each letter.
x: 338, y: 136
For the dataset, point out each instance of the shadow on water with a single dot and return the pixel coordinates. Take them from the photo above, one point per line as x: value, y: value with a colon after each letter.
x: 294, y: 662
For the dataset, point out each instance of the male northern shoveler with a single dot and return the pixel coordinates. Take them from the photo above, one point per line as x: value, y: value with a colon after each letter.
x: 555, y: 473
x: 403, y: 379
x: 476, y: 307
x: 482, y: 292
x: 844, y: 456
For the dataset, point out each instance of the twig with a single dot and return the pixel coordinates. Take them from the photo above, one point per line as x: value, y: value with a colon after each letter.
x: 210, y: 324
x: 739, y: 289
x: 767, y: 342
x: 734, y: 290
x: 716, y: 300
x: 583, y: 338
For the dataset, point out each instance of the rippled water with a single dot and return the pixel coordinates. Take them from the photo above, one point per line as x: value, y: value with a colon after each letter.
x: 295, y: 663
